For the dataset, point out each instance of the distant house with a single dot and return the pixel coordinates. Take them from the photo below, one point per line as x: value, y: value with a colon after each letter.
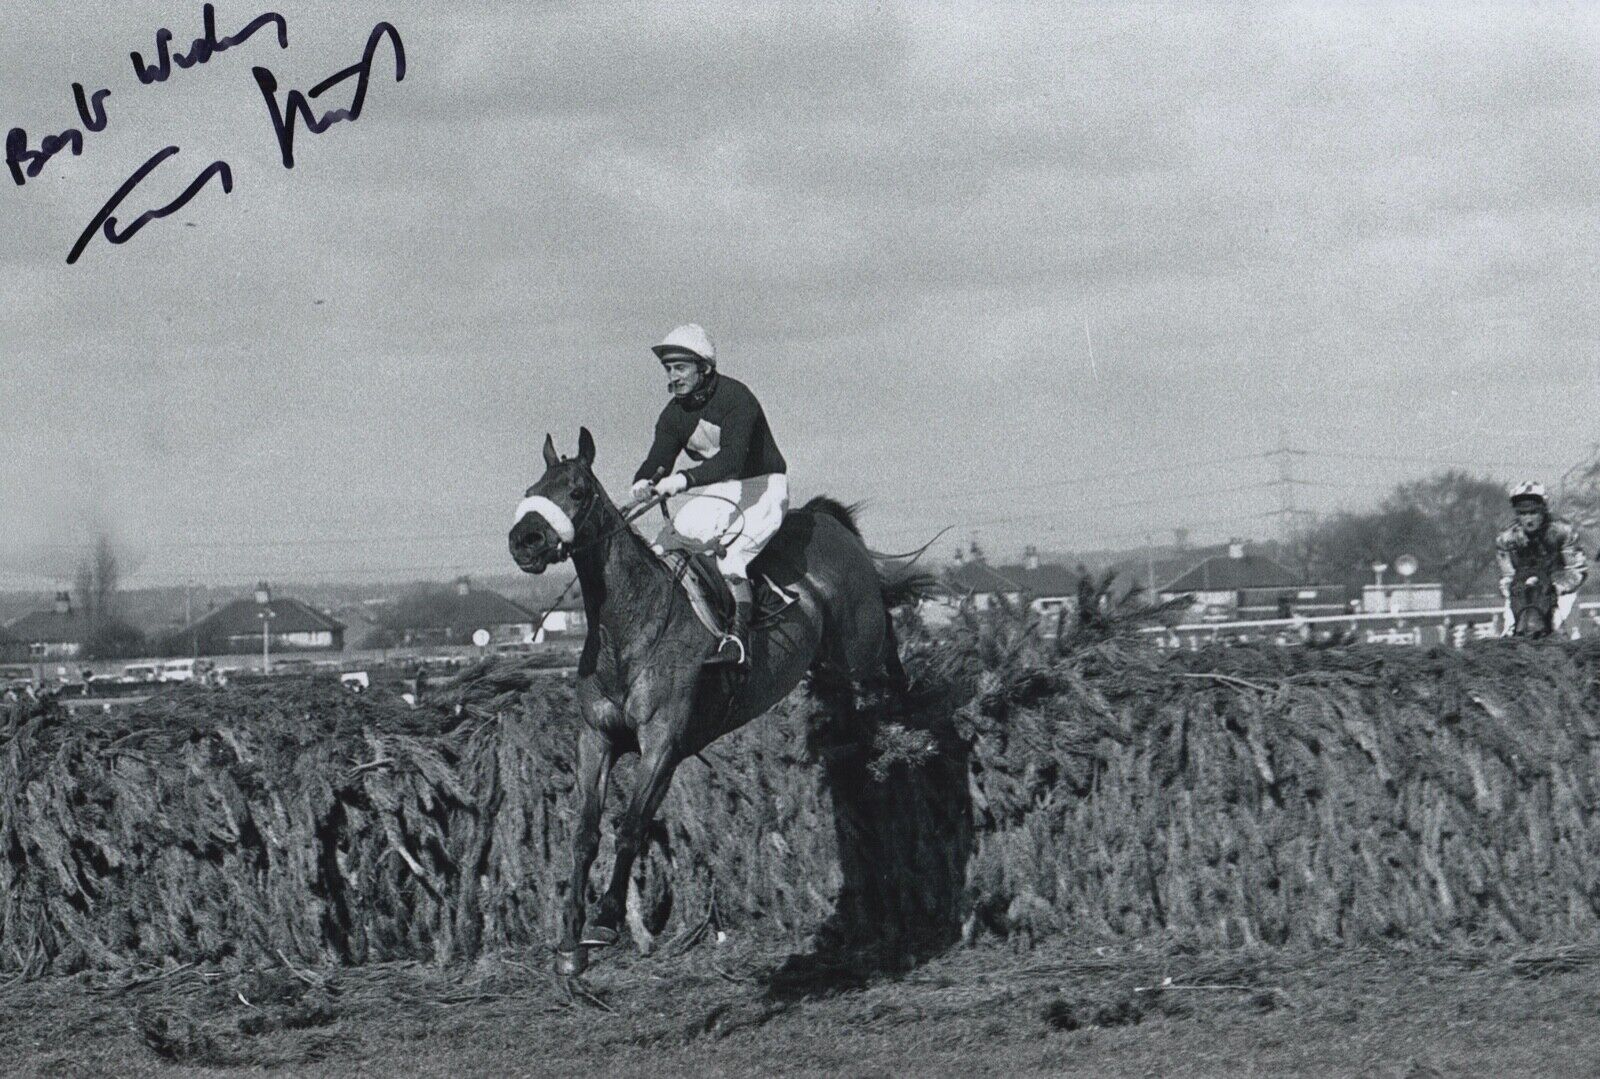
x: 235, y: 629
x: 567, y: 620
x: 1047, y: 588
x: 452, y: 615
x: 1245, y: 586
x: 59, y: 633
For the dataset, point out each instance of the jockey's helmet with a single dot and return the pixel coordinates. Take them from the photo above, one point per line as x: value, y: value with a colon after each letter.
x: 687, y: 342
x: 1528, y: 493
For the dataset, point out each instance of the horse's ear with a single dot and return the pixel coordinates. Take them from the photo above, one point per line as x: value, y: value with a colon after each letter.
x: 551, y: 457
x: 586, y: 445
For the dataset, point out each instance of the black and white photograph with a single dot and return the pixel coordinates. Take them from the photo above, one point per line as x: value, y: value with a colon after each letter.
x: 860, y: 538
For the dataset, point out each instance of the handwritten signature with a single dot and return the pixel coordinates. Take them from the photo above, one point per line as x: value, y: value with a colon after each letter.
x: 93, y: 114
x: 105, y: 216
x: 26, y: 162
x: 204, y: 48
x: 283, y: 120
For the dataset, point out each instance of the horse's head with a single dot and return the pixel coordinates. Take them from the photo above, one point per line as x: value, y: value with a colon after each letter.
x: 1533, y: 603
x: 558, y: 509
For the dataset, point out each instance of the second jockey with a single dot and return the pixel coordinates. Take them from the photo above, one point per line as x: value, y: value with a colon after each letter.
x: 737, y: 481
x: 1540, y: 544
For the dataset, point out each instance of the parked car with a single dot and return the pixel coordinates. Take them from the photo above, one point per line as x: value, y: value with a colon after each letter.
x: 177, y: 670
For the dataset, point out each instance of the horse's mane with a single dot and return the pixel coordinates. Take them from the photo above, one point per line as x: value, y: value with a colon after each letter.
x: 832, y: 507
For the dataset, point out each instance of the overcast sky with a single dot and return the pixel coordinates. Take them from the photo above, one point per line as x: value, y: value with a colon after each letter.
x: 1045, y: 273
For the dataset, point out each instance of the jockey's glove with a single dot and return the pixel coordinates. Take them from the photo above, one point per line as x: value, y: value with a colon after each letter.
x: 675, y: 484
x: 641, y: 490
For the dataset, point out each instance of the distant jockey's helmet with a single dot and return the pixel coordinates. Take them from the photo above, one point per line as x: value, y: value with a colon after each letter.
x: 1528, y: 493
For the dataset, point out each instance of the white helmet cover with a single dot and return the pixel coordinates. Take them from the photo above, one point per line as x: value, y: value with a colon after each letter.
x: 1527, y: 489
x: 687, y: 342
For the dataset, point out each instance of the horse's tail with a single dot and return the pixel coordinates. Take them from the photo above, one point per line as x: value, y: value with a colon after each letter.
x: 899, y: 587
x: 904, y: 589
x: 832, y: 507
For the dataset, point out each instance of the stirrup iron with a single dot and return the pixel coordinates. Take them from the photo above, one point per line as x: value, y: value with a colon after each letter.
x: 725, y: 639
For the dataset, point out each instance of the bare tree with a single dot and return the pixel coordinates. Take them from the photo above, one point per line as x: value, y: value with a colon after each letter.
x: 96, y: 581
x: 1578, y: 496
x: 107, y: 576
x: 1448, y: 521
x: 1464, y: 512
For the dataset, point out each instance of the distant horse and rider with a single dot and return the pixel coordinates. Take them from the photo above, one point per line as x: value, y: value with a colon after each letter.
x: 676, y: 654
x: 1541, y: 564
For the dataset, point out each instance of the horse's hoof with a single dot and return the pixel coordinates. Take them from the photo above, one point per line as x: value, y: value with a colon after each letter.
x: 570, y: 964
x: 600, y: 936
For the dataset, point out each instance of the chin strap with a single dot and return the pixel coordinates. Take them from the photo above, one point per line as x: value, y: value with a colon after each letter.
x: 702, y: 393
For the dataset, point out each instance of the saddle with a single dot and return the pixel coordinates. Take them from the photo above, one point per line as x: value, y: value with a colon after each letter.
x: 712, y: 600
x: 773, y: 583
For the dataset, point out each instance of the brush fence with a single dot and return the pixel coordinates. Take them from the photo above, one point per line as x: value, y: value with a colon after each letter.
x: 1232, y: 796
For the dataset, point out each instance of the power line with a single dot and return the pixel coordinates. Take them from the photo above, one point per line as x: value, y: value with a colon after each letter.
x: 135, y: 577
x: 1075, y: 481
x: 323, y: 541
x: 1400, y: 458
x: 1146, y: 530
x: 1162, y: 500
x: 1286, y: 480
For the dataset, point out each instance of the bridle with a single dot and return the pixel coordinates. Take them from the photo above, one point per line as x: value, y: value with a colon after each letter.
x: 563, y: 550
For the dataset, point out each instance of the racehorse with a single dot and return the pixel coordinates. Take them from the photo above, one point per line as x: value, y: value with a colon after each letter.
x: 1533, y: 603
x: 641, y: 687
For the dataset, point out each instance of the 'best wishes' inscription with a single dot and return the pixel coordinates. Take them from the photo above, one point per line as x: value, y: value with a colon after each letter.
x: 288, y: 115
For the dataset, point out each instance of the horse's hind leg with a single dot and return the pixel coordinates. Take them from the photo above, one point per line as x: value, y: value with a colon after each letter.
x: 899, y: 683
x: 832, y: 685
x: 595, y: 756
x: 658, y: 759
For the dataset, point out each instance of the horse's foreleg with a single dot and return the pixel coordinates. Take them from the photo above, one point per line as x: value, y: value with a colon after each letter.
x: 658, y: 759
x: 595, y: 755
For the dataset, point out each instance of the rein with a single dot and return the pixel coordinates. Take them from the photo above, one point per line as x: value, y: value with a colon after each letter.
x: 565, y: 551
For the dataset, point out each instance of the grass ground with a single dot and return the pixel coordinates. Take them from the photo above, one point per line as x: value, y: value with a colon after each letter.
x: 750, y: 1008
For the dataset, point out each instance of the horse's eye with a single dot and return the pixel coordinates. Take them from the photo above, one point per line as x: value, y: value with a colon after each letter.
x: 580, y: 490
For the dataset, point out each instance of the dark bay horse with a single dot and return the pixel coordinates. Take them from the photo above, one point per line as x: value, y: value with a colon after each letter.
x: 1533, y: 603
x: 640, y: 682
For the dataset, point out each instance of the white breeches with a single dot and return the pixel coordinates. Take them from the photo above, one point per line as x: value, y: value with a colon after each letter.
x: 736, y: 518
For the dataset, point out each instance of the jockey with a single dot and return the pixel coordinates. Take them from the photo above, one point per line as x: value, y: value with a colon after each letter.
x: 737, y: 481
x: 1537, y: 543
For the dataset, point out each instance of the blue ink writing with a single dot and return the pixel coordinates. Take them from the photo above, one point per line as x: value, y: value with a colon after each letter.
x: 106, y: 220
x: 205, y: 47
x: 296, y: 106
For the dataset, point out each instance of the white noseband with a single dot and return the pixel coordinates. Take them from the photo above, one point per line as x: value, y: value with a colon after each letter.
x: 553, y: 514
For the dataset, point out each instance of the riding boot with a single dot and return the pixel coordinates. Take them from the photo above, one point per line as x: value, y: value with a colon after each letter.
x: 734, y: 648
